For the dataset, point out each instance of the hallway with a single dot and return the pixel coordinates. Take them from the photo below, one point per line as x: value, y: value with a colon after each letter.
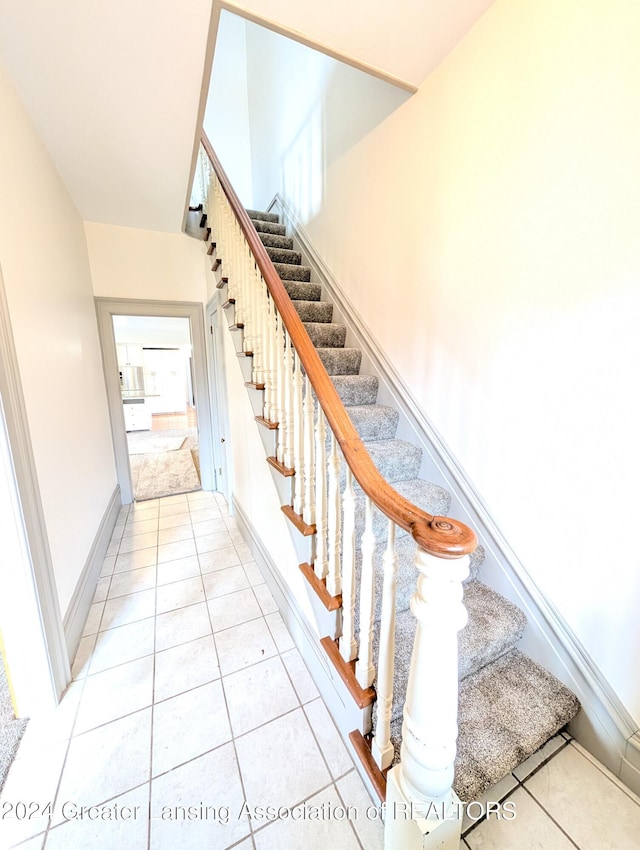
x: 190, y: 702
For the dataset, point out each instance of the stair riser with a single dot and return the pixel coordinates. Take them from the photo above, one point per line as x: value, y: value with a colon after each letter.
x: 324, y: 335
x: 380, y: 423
x: 304, y: 291
x: 395, y: 460
x: 314, y: 311
x: 287, y: 272
x: 270, y: 227
x: 257, y: 215
x: 281, y: 255
x: 356, y: 389
x: 270, y: 240
x: 341, y: 361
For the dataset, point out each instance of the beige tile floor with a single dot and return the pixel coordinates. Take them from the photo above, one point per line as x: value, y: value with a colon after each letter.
x: 189, y: 700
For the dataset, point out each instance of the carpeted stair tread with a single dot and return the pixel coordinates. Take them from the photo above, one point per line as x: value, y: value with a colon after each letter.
x: 424, y: 494
x: 340, y: 361
x: 476, y: 560
x: 478, y: 598
x: 314, y: 311
x: 283, y: 255
x: 356, y: 389
x: 257, y: 215
x: 298, y: 290
x: 271, y: 240
x: 374, y: 421
x: 269, y: 227
x: 326, y: 334
x: 495, y: 625
x: 395, y: 460
x: 293, y: 272
x: 506, y: 712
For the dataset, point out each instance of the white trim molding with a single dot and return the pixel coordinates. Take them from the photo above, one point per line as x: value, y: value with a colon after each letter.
x: 106, y: 309
x: 45, y: 626
x: 604, y: 726
x: 82, y: 598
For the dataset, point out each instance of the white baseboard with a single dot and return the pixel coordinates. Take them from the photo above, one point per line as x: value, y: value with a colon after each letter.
x: 604, y: 726
x: 74, y: 619
x: 341, y: 705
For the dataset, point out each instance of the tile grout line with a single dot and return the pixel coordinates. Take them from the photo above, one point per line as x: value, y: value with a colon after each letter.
x: 519, y: 784
x: 551, y: 818
x: 613, y: 779
x: 226, y: 706
x: 153, y: 704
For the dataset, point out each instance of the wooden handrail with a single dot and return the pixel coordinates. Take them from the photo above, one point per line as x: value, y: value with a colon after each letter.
x: 440, y: 536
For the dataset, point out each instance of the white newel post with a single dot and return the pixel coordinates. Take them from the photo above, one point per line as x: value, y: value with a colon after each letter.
x: 422, y: 810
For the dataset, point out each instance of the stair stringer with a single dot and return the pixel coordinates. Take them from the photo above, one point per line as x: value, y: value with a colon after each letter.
x: 604, y: 726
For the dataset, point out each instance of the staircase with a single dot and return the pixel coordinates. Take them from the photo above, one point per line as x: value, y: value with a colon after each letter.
x: 509, y: 706
x: 387, y: 567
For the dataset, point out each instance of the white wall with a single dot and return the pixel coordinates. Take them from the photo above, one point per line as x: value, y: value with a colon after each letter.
x: 306, y: 111
x: 226, y: 118
x: 46, y: 273
x: 487, y: 231
x: 127, y: 262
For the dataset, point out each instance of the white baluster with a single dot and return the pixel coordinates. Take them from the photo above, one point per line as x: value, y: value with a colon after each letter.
x: 258, y: 348
x: 320, y: 563
x: 429, y: 730
x: 334, y: 584
x: 309, y: 512
x: 298, y: 437
x: 279, y: 353
x: 365, y: 671
x: 226, y: 255
x: 271, y: 396
x: 382, y: 748
x: 260, y: 375
x: 288, y: 402
x: 348, y: 645
x: 248, y: 277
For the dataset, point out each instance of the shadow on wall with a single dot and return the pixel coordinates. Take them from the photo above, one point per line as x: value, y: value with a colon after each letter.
x: 348, y: 106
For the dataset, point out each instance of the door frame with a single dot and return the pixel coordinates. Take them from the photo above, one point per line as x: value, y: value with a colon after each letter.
x: 216, y: 323
x: 37, y: 657
x: 106, y: 309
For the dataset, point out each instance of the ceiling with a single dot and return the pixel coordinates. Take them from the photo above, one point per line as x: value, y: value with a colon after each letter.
x: 114, y: 87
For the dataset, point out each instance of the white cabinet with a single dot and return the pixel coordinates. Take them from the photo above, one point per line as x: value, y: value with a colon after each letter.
x: 129, y: 354
x: 137, y: 415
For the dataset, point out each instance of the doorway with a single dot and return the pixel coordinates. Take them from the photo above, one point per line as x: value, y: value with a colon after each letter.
x: 156, y: 376
x: 155, y: 369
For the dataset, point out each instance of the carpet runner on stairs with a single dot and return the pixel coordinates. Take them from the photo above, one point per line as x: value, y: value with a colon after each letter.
x: 509, y: 706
